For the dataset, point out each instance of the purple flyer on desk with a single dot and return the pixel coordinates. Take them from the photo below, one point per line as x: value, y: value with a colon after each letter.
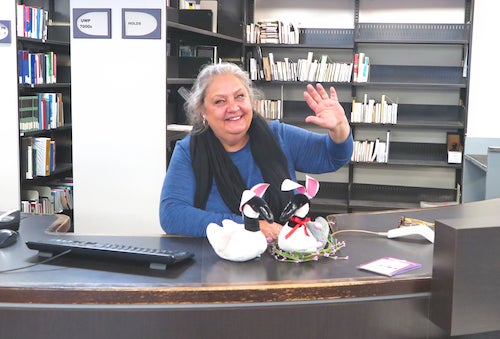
x: 389, y: 266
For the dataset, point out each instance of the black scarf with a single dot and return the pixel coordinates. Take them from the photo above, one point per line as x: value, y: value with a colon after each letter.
x: 210, y: 160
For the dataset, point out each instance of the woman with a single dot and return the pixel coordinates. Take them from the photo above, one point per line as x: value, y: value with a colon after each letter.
x: 231, y: 148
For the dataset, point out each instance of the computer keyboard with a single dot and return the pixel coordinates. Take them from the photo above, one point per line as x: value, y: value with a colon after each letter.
x: 157, y: 258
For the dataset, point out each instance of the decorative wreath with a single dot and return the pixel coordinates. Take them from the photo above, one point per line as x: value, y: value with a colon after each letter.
x: 329, y: 251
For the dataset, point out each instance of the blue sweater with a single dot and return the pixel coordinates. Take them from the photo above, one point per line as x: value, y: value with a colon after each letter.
x: 306, y: 152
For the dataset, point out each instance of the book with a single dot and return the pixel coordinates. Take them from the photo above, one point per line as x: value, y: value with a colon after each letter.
x: 381, y: 152
x: 28, y: 113
x: 389, y: 266
x: 355, y: 68
x: 42, y: 147
x: 366, y: 69
x: 253, y: 69
x: 376, y: 150
x: 361, y: 60
x: 267, y: 68
x: 387, y: 145
x: 52, y: 156
x: 20, y: 20
x: 24, y: 67
x: 27, y: 157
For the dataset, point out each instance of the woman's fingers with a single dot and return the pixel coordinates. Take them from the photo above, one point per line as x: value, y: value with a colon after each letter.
x: 333, y: 94
x: 321, y: 91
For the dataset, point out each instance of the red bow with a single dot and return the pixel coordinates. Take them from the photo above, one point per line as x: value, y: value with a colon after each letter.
x: 298, y: 223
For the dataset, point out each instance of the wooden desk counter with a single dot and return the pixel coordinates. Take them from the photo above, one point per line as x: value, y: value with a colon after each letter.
x: 208, y: 297
x: 206, y: 278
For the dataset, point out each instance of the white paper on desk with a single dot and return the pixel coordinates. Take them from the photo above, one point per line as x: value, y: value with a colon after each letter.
x: 389, y: 266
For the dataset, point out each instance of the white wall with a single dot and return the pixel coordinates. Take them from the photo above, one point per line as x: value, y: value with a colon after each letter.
x: 422, y: 11
x: 9, y: 126
x: 305, y: 13
x: 340, y: 13
x: 119, y: 126
x: 484, y: 114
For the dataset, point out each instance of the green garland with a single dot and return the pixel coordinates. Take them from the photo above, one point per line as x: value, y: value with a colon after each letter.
x: 329, y: 251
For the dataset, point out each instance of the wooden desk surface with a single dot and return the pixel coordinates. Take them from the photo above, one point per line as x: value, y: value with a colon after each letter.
x: 68, y: 279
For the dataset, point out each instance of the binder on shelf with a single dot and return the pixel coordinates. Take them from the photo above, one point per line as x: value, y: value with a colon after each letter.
x: 185, y: 67
x: 213, y: 6
x: 199, y: 18
x: 172, y: 14
x: 204, y: 51
x: 59, y: 33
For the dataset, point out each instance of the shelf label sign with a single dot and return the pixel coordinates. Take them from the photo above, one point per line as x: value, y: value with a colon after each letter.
x: 5, y: 34
x: 92, y: 23
x: 141, y: 23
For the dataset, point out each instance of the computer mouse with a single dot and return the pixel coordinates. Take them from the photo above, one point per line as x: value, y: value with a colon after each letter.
x: 7, y: 237
x: 10, y: 219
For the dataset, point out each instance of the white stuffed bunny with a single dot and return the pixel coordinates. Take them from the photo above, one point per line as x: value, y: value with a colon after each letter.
x: 242, y: 242
x: 299, y: 233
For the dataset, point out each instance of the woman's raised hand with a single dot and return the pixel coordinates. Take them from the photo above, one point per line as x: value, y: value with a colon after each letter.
x: 328, y: 112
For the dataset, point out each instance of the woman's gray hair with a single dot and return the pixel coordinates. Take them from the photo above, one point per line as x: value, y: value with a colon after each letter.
x: 195, y: 101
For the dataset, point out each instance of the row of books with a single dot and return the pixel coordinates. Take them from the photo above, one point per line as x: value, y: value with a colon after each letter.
x: 37, y: 68
x: 269, y: 109
x: 371, y: 150
x: 40, y: 112
x: 305, y: 69
x: 270, y: 31
x: 38, y: 157
x: 53, y: 198
x: 370, y: 111
x: 32, y: 22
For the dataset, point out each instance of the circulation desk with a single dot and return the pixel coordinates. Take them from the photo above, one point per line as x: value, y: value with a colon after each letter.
x: 208, y: 297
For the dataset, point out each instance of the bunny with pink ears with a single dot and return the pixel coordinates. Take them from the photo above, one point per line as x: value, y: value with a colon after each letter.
x: 242, y: 242
x: 299, y: 233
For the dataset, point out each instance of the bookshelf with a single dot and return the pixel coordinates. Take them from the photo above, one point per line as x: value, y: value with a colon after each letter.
x: 422, y: 66
x: 44, y: 106
x: 186, y: 36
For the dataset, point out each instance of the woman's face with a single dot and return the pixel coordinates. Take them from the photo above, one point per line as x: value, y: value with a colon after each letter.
x: 228, y: 110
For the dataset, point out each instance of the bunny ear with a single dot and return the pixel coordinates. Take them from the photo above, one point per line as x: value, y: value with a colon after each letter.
x: 260, y: 189
x: 302, y: 190
x: 312, y: 186
x: 245, y: 197
x: 289, y: 185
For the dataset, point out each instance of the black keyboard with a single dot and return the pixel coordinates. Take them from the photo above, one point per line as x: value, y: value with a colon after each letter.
x: 157, y: 258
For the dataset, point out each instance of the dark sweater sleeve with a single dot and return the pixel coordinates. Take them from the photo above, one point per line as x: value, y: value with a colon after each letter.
x: 177, y: 213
